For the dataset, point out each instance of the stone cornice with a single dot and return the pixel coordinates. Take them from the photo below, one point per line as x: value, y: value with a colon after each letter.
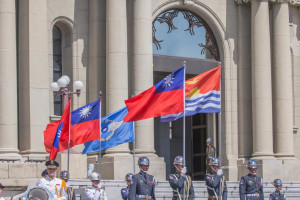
x: 291, y: 2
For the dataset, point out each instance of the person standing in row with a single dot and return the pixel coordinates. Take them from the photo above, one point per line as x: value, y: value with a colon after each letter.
x: 277, y: 195
x: 125, y: 191
x: 215, y: 181
x: 210, y: 153
x: 181, y: 184
x: 143, y: 184
x: 251, y: 186
x: 64, y: 175
x: 96, y: 192
x: 53, y: 184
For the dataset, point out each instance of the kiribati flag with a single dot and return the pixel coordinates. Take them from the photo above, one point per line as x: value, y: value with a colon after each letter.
x: 202, y: 95
x: 62, y: 130
x: 166, y: 97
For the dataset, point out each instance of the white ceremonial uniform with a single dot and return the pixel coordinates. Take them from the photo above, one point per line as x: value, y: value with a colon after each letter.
x: 93, y: 194
x: 54, y: 186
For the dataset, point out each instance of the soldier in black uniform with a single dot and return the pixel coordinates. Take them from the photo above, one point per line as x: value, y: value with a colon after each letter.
x: 215, y: 181
x: 277, y: 195
x: 179, y: 181
x: 125, y: 191
x: 143, y: 184
x: 251, y: 186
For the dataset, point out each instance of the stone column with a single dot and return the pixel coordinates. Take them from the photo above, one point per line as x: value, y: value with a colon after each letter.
x: 282, y: 82
x: 261, y: 81
x: 116, y: 84
x: 116, y: 61
x: 244, y: 81
x: 142, y: 76
x: 96, y: 69
x: 142, y: 79
x: 8, y: 81
x: 33, y: 72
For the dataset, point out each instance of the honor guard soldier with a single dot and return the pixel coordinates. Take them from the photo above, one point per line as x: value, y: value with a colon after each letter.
x: 64, y: 175
x: 53, y: 184
x: 1, y: 191
x: 143, y: 184
x: 210, y: 153
x: 181, y: 184
x: 215, y: 181
x: 125, y: 191
x: 96, y: 192
x: 277, y: 195
x: 251, y: 186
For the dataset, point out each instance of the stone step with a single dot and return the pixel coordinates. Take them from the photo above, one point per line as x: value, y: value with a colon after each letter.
x: 163, y: 190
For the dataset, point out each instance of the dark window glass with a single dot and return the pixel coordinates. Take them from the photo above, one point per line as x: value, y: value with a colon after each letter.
x: 57, y: 66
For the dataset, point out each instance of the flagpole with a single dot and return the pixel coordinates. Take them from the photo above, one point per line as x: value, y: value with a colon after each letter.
x: 220, y: 117
x: 68, y: 168
x: 99, y: 159
x: 133, y: 146
x: 184, y: 64
x: 220, y: 129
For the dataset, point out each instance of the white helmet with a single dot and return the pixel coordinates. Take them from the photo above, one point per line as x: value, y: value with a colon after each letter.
x: 94, y: 176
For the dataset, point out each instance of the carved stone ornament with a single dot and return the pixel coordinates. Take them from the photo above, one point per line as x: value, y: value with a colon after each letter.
x: 240, y: 2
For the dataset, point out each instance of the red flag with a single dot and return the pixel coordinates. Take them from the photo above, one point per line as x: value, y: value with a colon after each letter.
x: 85, y: 127
x: 166, y: 97
x: 61, y: 131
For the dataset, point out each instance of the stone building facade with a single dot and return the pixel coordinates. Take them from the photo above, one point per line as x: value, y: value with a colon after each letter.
x: 108, y: 46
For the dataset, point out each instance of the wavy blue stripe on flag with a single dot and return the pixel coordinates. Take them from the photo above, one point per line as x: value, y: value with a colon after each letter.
x: 113, y: 132
x: 201, y: 103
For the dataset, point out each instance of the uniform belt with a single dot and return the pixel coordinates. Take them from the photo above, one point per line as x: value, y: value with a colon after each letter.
x: 181, y: 195
x: 252, y: 195
x: 143, y: 196
x: 212, y: 197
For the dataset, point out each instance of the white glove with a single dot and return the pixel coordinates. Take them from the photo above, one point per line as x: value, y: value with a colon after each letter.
x: 220, y: 172
x: 99, y: 185
x: 183, y: 170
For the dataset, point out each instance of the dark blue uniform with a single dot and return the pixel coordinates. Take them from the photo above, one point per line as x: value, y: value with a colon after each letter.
x: 251, y: 188
x: 177, y: 183
x: 277, y: 195
x: 142, y: 187
x: 213, y: 183
x: 124, y: 193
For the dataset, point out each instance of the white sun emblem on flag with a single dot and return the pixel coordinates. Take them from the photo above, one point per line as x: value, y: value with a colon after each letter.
x: 85, y: 112
x: 168, y: 81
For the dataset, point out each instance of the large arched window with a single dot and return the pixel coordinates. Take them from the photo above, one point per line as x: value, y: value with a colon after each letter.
x: 184, y: 34
x: 57, y: 66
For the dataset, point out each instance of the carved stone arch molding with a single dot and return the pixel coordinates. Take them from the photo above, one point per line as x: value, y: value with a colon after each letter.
x: 225, y: 47
x: 207, y: 14
x: 66, y: 26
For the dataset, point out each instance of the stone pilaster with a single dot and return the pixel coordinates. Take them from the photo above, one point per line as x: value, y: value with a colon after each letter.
x: 33, y: 71
x: 282, y: 82
x: 261, y: 81
x: 8, y: 81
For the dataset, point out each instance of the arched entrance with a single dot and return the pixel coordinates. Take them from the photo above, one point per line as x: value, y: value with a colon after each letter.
x: 180, y: 35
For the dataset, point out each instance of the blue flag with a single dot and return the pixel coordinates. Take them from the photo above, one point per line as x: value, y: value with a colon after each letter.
x: 113, y: 132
